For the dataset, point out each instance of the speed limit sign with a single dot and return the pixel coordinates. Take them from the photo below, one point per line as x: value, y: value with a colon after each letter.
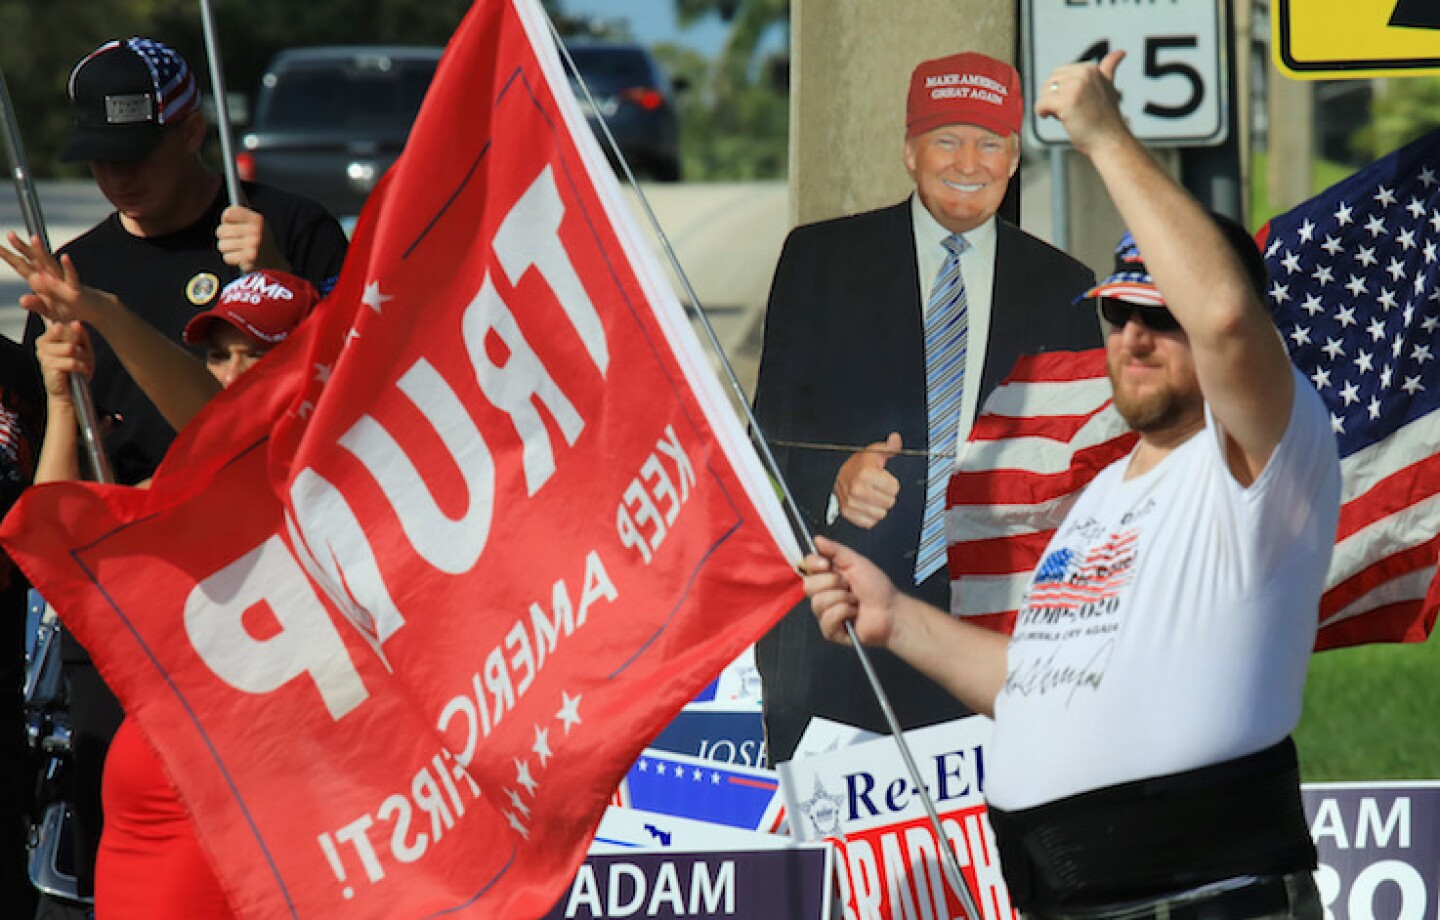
x: 1172, y: 83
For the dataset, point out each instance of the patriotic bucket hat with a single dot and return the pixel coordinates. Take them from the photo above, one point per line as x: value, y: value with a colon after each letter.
x: 1129, y: 281
x: 123, y: 95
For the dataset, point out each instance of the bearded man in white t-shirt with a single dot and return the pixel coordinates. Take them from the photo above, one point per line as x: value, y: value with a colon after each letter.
x: 1142, y: 764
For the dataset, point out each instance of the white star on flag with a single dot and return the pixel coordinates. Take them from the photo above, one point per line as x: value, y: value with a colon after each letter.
x: 523, y: 777
x: 517, y: 824
x: 517, y: 803
x: 569, y: 713
x: 372, y: 297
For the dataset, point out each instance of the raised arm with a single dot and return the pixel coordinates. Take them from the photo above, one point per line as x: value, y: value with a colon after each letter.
x: 1240, y: 360
x: 172, y: 378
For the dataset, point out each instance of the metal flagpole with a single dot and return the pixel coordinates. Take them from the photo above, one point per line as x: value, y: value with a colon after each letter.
x: 35, y: 227
x: 235, y: 193
x: 948, y: 860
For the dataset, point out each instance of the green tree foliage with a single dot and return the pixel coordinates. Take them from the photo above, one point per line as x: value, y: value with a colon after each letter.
x: 1403, y: 110
x: 743, y: 138
x: 735, y: 117
x: 751, y: 21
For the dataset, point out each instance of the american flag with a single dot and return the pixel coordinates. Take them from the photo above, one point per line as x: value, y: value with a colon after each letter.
x: 178, y: 94
x: 1354, y: 291
x: 1042, y: 435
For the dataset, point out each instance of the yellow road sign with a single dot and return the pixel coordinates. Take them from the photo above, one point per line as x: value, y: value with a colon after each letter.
x: 1326, y: 39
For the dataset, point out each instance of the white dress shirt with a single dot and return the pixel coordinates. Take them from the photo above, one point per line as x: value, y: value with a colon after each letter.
x: 977, y: 267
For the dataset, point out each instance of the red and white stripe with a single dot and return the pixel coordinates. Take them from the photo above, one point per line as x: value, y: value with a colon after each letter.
x: 1043, y: 434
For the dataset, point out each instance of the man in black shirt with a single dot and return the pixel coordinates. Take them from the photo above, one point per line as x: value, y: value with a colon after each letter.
x: 166, y: 251
x: 172, y: 243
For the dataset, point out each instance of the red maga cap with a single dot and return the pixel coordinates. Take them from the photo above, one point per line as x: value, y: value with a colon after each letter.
x: 265, y: 305
x: 964, y: 89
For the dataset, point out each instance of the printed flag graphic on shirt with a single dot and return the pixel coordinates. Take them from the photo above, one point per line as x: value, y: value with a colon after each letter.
x: 1040, y: 437
x: 1354, y: 290
x: 404, y: 604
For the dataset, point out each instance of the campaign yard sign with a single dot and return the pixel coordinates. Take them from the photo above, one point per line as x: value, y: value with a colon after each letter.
x: 863, y: 801
x: 1379, y: 848
x: 703, y: 790
x: 768, y: 884
x: 623, y: 829
x: 714, y: 731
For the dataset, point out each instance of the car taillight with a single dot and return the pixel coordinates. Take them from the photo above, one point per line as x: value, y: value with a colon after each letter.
x: 245, y: 166
x: 648, y: 99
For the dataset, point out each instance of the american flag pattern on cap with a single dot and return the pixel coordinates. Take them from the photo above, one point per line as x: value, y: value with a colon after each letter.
x: 1130, y: 281
x: 176, y: 94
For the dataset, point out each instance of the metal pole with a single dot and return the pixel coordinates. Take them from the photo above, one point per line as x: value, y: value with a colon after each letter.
x: 1212, y: 174
x: 1059, y: 200
x: 89, y: 430
x: 222, y: 105
x: 949, y: 863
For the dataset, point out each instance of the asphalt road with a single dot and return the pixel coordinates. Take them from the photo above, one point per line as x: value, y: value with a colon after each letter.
x: 726, y: 238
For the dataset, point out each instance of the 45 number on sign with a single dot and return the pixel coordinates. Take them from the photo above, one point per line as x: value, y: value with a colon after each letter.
x: 1156, y: 69
x: 1173, y: 84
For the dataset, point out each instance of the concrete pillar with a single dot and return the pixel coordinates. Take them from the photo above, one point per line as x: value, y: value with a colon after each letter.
x: 1291, y: 168
x: 850, y: 68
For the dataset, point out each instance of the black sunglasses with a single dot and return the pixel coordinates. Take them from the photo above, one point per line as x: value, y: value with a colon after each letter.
x: 1118, y: 312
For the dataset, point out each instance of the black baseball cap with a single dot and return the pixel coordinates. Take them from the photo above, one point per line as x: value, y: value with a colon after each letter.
x: 124, y: 94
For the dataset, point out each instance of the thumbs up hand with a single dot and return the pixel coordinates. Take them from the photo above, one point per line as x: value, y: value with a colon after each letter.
x: 865, y: 490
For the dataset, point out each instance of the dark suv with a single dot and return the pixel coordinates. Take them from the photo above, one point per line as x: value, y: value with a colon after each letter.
x: 329, y: 121
x: 637, y: 102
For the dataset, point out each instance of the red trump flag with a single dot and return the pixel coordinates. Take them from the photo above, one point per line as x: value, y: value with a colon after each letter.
x: 404, y: 604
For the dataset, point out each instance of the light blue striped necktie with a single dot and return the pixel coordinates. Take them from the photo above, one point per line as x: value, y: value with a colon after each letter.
x: 947, y: 324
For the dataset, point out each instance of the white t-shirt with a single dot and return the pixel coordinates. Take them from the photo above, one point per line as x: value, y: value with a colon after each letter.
x: 1171, y: 619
